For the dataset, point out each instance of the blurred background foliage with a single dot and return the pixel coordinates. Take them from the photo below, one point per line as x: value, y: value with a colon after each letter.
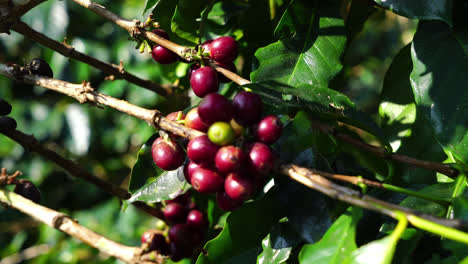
x: 104, y: 141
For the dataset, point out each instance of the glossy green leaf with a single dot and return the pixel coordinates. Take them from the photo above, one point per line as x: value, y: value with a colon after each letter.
x: 271, y: 255
x: 376, y: 252
x: 421, y: 9
x: 162, y: 11
x: 186, y: 20
x: 167, y: 186
x: 323, y: 102
x: 337, y: 244
x: 240, y: 240
x: 397, y: 85
x: 439, y: 83
x: 311, y: 55
x: 442, y: 191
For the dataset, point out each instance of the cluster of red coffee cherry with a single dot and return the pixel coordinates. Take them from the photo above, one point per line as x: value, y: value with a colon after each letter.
x: 234, y: 158
x: 187, y: 231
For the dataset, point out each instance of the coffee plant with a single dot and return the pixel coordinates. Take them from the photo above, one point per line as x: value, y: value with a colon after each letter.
x: 233, y: 131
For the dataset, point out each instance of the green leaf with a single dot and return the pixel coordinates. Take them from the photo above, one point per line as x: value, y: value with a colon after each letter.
x: 439, y: 84
x: 162, y: 11
x: 338, y: 242
x: 323, y: 102
x: 420, y: 9
x: 186, y: 20
x: 240, y: 240
x: 167, y: 186
x: 271, y: 255
x: 397, y: 85
x: 144, y: 167
x: 311, y: 55
x: 442, y: 191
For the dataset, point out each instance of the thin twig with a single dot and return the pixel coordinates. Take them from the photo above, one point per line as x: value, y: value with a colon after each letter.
x: 9, y: 15
x: 383, y: 153
x: 306, y: 177
x: 71, y: 227
x: 68, y: 51
x: 134, y: 29
x: 31, y: 143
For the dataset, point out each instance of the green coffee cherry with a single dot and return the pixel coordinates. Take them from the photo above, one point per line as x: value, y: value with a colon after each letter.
x: 221, y: 133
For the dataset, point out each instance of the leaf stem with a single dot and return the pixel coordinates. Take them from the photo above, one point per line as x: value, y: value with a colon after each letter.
x: 416, y: 194
x: 441, y: 230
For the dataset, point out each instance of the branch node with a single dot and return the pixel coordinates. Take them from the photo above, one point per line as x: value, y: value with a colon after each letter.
x: 58, y: 219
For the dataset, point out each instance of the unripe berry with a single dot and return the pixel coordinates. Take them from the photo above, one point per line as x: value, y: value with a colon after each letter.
x: 196, y: 219
x: 28, y: 190
x: 221, y: 133
x: 227, y: 203
x: 204, y: 81
x: 193, y: 120
x: 248, y: 108
x: 167, y: 154
x: 175, y: 213
x: 207, y: 181
x: 5, y: 107
x: 260, y: 159
x: 215, y: 107
x: 229, y: 158
x: 238, y: 186
x: 201, y: 150
x: 269, y: 129
x: 224, y: 49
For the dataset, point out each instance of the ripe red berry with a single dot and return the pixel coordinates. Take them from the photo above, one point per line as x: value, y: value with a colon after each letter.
x: 229, y: 66
x: 196, y: 219
x: 28, y: 190
x: 201, y: 150
x: 239, y: 186
x: 193, y: 68
x: 163, y: 55
x: 248, y: 108
x: 204, y: 81
x: 179, y: 252
x: 227, y: 203
x: 175, y: 213
x: 224, y: 49
x: 179, y: 234
x: 189, y: 167
x: 269, y: 129
x: 193, y: 120
x: 207, y: 181
x: 175, y: 116
x: 215, y: 107
x: 229, y: 158
x: 167, y: 154
x: 260, y: 159
x: 161, y: 32
x: 155, y: 241
x: 206, y: 46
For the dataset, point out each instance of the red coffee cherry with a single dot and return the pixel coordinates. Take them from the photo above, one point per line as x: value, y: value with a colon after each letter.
x: 204, y: 81
x: 248, y: 108
x: 269, y: 129
x: 196, y: 219
x: 193, y: 68
x: 239, y: 186
x: 155, y: 241
x: 193, y: 120
x: 180, y: 234
x: 28, y: 190
x: 175, y: 213
x: 224, y: 49
x: 229, y: 158
x: 260, y: 159
x: 215, y: 107
x: 207, y: 181
x: 175, y: 116
x: 161, y: 32
x: 163, y: 55
x: 206, y: 46
x: 201, y: 150
x: 167, y: 154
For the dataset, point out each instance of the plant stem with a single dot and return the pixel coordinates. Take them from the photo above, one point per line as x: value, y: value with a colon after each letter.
x: 438, y: 229
x: 416, y: 194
